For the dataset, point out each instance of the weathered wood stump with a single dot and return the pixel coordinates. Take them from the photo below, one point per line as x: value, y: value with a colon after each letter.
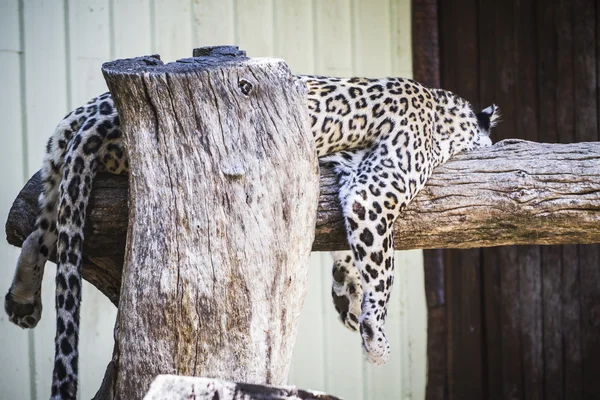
x: 223, y: 191
x: 516, y: 192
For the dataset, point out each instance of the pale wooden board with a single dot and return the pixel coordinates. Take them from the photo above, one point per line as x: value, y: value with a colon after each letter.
x: 294, y: 34
x: 294, y: 27
x: 9, y: 30
x: 131, y: 28
x: 372, y: 38
x: 333, y: 37
x: 401, y: 37
x: 333, y: 55
x: 15, y: 371
x: 254, y: 21
x: 89, y: 46
x: 89, y: 41
x: 173, y: 29
x: 308, y: 366
x: 213, y: 22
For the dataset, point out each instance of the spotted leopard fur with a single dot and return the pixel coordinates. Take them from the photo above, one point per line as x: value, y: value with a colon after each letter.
x: 383, y: 137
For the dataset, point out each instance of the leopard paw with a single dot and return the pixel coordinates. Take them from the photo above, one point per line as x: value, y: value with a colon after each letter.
x: 375, y: 345
x: 25, y: 314
x: 346, y: 290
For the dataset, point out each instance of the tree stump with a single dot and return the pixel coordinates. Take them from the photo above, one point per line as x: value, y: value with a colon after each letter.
x: 223, y: 192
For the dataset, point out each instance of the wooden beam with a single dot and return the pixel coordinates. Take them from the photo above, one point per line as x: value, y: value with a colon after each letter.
x: 515, y: 192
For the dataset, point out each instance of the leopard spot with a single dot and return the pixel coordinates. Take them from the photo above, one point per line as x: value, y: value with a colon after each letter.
x: 366, y: 237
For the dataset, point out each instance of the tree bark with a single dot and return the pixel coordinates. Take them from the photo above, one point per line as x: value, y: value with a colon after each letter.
x: 516, y: 192
x: 170, y: 387
x: 220, y: 227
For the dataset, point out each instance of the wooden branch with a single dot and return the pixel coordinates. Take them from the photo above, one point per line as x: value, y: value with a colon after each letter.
x: 174, y: 387
x: 219, y: 234
x: 516, y: 192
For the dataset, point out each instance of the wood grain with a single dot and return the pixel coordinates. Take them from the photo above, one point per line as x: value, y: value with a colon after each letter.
x: 219, y: 227
x: 516, y: 192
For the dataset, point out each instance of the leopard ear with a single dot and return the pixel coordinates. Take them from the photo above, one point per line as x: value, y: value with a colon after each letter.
x: 489, y: 117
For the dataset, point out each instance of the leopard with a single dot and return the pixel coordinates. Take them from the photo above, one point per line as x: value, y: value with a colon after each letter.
x: 383, y: 137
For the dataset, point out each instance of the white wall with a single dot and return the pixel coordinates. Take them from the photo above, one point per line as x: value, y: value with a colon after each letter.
x: 50, y: 57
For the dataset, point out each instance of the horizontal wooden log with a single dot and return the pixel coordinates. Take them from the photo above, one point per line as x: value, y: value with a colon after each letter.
x: 515, y: 192
x: 175, y: 387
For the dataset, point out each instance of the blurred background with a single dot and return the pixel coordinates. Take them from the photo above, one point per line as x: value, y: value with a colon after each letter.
x: 50, y: 57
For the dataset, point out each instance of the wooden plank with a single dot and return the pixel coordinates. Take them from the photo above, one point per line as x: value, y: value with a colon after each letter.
x: 586, y: 129
x: 344, y: 362
x: 529, y: 257
x: 490, y: 268
x: 426, y: 69
x: 10, y: 40
x: 492, y: 310
x: 173, y: 29
x: 308, y: 370
x: 131, y: 22
x: 254, y: 25
x: 332, y: 29
x: 530, y: 294
x: 16, y: 371
x: 46, y: 88
x: 294, y: 26
x: 512, y: 369
x: 88, y: 22
x: 552, y: 329
x: 308, y: 361
x: 463, y: 285
x: 213, y: 22
x: 463, y: 279
x: 425, y: 44
x: 372, y: 38
x: 401, y: 37
x: 333, y: 55
x: 47, y: 102
x: 571, y: 322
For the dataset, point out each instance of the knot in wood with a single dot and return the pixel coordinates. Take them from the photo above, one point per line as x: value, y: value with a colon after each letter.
x: 245, y: 86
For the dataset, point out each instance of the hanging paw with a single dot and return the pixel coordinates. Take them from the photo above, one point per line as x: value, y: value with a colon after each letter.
x: 346, y: 289
x: 375, y: 345
x: 24, y: 313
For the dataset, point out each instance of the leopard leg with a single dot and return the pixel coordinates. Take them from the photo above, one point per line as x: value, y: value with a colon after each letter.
x: 23, y: 302
x: 346, y: 289
x: 370, y: 203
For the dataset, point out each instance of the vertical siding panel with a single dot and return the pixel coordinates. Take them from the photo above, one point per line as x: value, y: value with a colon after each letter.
x: 343, y: 351
x: 294, y: 32
x: 333, y: 56
x: 401, y: 50
x: 89, y: 35
x: 308, y: 363
x: 14, y: 347
x: 333, y: 47
x: 254, y: 21
x: 372, y: 56
x: 44, y: 37
x: 294, y: 28
x: 173, y: 29
x: 46, y: 93
x: 131, y: 23
x: 213, y: 22
x: 90, y: 46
